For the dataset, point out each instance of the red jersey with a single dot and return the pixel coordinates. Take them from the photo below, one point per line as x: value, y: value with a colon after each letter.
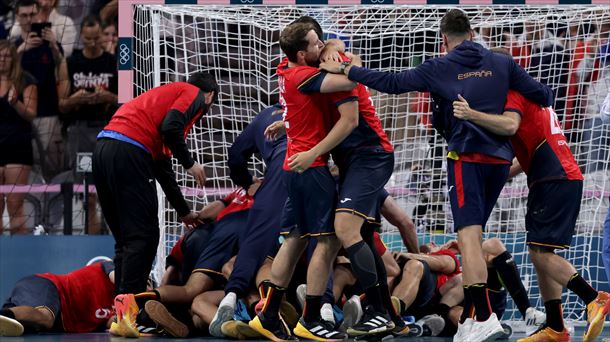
x: 141, y: 118
x: 442, y: 278
x: 86, y: 297
x: 304, y: 109
x: 539, y: 144
x: 239, y: 201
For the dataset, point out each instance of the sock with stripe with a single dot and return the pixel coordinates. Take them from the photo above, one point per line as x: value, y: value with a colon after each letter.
x: 311, y: 311
x: 263, y: 288
x: 275, y: 294
x: 480, y: 299
x: 143, y: 297
x: 554, y: 314
x: 582, y: 289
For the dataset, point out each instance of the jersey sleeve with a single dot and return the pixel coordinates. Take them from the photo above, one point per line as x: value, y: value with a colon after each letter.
x: 515, y: 102
x: 176, y: 257
x: 309, y: 79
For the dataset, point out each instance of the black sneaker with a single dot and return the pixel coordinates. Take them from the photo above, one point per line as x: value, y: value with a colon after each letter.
x: 318, y: 331
x: 272, y: 328
x: 146, y: 326
x: 401, y: 329
x: 372, y: 323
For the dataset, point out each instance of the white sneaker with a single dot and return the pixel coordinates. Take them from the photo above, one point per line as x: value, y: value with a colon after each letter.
x: 534, y: 318
x: 10, y: 327
x: 326, y: 312
x: 352, y: 313
x: 432, y: 325
x: 226, y: 310
x: 489, y: 330
x: 463, y: 330
x: 301, y: 294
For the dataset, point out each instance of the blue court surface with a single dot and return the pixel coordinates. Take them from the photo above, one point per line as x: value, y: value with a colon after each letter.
x: 102, y: 337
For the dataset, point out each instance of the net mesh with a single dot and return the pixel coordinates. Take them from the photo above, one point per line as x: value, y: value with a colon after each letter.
x: 563, y: 46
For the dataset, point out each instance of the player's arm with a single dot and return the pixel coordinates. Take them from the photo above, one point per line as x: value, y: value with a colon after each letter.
x: 170, y: 276
x: 240, y: 152
x: 515, y: 169
x: 438, y: 263
x: 211, y: 211
x: 506, y: 124
x: 164, y: 173
x: 535, y: 91
x: 399, y: 218
x: 605, y: 110
x: 343, y: 127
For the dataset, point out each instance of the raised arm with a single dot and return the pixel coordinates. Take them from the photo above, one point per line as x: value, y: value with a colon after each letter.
x: 438, y: 263
x: 506, y: 124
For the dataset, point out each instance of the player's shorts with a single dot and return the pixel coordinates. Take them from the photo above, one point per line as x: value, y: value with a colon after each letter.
x: 426, y: 293
x: 552, y: 210
x: 36, y: 292
x: 473, y: 190
x: 309, y: 209
x: 362, y: 177
x: 195, y: 242
x: 222, y: 245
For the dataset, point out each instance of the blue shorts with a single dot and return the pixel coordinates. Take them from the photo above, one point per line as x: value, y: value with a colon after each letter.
x: 552, y: 211
x: 222, y: 245
x: 36, y: 292
x: 194, y: 242
x: 473, y: 191
x: 362, y: 178
x: 309, y: 208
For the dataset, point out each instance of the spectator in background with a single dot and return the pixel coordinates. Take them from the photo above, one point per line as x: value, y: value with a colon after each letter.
x: 61, y: 25
x: 41, y: 56
x: 18, y: 101
x: 88, y: 98
x: 110, y: 37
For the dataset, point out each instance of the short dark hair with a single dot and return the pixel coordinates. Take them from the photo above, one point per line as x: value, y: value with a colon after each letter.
x: 206, y: 82
x: 455, y: 23
x: 90, y: 21
x: 316, y: 25
x: 25, y: 3
x: 293, y: 39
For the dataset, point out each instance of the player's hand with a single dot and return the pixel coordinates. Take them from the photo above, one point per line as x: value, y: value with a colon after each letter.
x: 301, y: 161
x: 461, y: 109
x: 275, y: 130
x: 256, y: 183
x: 198, y: 173
x: 191, y: 220
x: 333, y: 67
x: 354, y: 59
x: 330, y: 55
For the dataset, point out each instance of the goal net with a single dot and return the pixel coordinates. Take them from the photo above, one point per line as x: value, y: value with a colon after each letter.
x: 563, y: 46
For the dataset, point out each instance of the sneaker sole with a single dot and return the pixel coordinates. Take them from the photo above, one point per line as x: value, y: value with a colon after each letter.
x: 301, y: 331
x: 10, y: 327
x: 159, y: 314
x: 289, y: 314
x: 229, y: 329
x: 126, y: 325
x: 595, y: 327
x: 223, y: 315
x: 354, y: 332
x: 352, y: 312
x: 258, y: 327
x: 494, y: 335
x: 245, y: 330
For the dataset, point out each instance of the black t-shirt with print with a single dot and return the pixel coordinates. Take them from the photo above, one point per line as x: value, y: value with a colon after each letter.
x: 89, y: 74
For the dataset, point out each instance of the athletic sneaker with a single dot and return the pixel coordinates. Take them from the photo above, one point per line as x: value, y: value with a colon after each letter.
x: 508, y: 332
x: 159, y: 314
x: 463, y: 331
x: 596, y: 315
x: 546, y: 334
x: 352, y: 313
x: 432, y: 325
x: 126, y: 313
x: 534, y: 317
x: 225, y: 312
x: 327, y: 313
x: 239, y: 330
x: 272, y: 328
x: 10, y: 327
x: 396, y: 304
x: 372, y: 322
x: 241, y: 312
x: 485, y: 331
x: 146, y: 326
x: 401, y: 329
x: 289, y: 314
x: 318, y: 331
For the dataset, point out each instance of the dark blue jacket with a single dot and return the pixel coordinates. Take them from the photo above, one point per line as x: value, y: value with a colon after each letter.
x: 480, y: 76
x: 252, y: 140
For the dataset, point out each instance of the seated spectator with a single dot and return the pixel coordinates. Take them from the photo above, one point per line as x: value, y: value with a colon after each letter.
x: 18, y: 101
x: 89, y: 99
x: 110, y: 37
x: 41, y: 57
x: 61, y: 25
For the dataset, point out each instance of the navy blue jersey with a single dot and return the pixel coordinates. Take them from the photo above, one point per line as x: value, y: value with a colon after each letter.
x: 480, y: 76
x: 252, y: 140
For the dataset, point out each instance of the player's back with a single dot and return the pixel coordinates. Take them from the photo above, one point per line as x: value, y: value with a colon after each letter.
x: 306, y: 125
x: 539, y: 144
x: 141, y: 118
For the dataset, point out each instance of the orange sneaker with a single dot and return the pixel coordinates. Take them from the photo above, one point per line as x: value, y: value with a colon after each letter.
x: 596, y: 315
x: 126, y: 313
x: 546, y: 334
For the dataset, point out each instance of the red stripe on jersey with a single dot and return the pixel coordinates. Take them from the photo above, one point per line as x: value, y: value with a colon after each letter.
x: 482, y: 158
x: 86, y: 297
x: 459, y: 184
x: 241, y: 202
x: 379, y: 245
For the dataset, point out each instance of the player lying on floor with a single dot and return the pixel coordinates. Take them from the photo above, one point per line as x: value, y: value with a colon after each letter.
x: 230, y: 216
x: 77, y: 302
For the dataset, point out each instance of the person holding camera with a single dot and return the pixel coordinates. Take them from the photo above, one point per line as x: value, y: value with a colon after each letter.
x: 42, y: 57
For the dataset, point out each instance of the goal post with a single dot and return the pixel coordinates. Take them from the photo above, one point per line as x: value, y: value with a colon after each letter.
x: 559, y: 45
